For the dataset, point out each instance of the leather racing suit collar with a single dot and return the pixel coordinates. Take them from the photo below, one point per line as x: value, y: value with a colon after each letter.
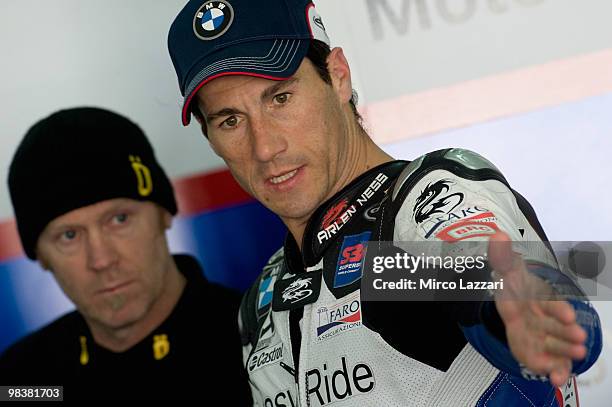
x: 350, y: 203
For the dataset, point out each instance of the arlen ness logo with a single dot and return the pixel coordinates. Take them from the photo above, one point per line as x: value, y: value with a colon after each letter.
x: 334, y: 213
x: 213, y: 19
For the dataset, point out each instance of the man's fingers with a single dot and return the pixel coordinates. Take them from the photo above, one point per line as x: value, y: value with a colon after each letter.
x: 549, y: 338
x: 559, y: 347
x: 500, y: 254
x: 560, y: 310
x: 557, y: 368
x: 572, y: 333
x: 561, y: 373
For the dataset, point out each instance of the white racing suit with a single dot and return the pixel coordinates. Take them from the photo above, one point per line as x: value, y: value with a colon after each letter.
x: 310, y: 340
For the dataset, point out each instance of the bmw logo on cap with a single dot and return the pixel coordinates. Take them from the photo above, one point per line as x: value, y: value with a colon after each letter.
x: 213, y: 19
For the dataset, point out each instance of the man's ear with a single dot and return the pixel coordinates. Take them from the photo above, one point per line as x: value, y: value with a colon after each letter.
x: 340, y: 73
x: 43, y: 263
x: 166, y: 219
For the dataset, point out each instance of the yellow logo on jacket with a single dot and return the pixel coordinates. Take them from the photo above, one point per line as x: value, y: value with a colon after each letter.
x: 84, y: 359
x: 161, y: 346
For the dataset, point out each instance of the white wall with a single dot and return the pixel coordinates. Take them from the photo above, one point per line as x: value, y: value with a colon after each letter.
x: 110, y: 53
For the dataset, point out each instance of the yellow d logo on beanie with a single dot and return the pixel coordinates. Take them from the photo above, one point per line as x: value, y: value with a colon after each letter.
x: 145, y: 184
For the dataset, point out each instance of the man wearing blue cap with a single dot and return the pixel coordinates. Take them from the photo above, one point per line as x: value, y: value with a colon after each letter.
x: 276, y: 103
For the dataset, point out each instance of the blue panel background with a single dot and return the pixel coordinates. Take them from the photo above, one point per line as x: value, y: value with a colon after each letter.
x: 11, y: 323
x: 232, y: 244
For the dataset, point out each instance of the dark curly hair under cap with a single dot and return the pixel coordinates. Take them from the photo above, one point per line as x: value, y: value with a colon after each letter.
x: 78, y: 157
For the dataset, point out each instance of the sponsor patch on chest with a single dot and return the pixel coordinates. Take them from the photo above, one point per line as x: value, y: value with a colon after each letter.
x: 340, y: 317
x: 350, y: 260
x: 265, y: 357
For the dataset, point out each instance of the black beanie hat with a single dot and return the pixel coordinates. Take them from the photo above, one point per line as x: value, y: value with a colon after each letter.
x: 78, y: 157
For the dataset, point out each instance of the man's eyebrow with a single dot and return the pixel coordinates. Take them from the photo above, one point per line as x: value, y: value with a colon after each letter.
x: 272, y: 90
x: 226, y: 111
x: 266, y: 94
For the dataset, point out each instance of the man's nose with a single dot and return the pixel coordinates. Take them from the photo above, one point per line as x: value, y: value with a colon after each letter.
x: 101, y: 251
x: 268, y: 139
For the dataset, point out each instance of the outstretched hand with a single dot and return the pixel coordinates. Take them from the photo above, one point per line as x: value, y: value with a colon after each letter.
x: 542, y: 333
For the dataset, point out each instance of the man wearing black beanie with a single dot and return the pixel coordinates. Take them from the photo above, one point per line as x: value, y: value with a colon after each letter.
x: 92, y: 205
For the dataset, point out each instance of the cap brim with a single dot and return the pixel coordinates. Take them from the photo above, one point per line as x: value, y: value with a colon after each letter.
x: 269, y: 59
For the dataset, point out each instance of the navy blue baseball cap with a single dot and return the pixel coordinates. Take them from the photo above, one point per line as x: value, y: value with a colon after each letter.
x: 268, y: 39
